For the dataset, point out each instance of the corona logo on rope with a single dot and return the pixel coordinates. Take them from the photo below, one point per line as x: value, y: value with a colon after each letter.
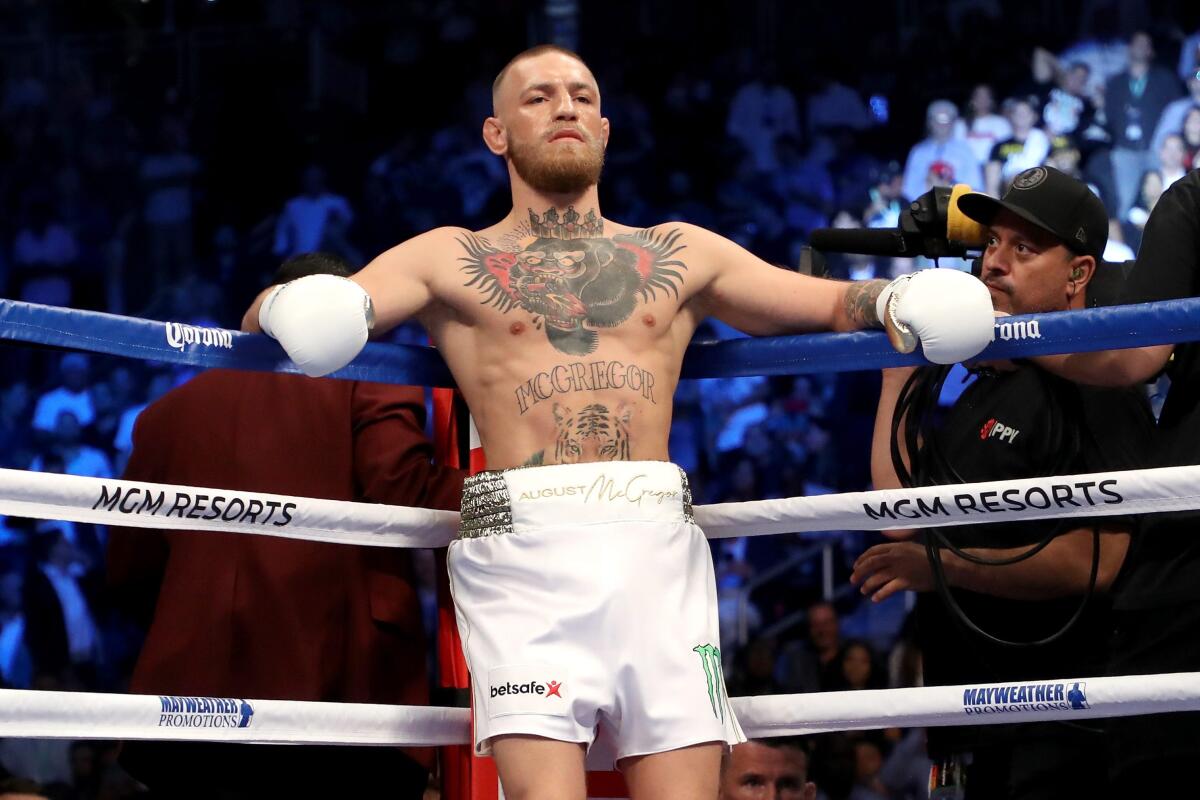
x: 180, y: 335
x: 204, y: 712
x: 1007, y: 699
x: 1020, y: 330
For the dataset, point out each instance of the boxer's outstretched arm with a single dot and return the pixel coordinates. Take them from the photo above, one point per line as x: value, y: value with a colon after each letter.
x: 949, y: 313
x: 398, y: 281
x: 764, y: 300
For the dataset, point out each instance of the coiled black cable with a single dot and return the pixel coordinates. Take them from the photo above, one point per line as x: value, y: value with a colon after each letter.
x: 915, y: 406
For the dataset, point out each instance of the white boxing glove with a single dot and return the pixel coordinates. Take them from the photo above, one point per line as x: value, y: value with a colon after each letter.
x: 322, y: 321
x: 948, y: 312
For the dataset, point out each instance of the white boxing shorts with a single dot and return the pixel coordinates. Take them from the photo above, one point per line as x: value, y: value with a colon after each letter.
x: 585, y: 595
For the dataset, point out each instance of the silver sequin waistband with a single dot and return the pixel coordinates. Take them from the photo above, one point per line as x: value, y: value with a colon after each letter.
x: 487, y: 506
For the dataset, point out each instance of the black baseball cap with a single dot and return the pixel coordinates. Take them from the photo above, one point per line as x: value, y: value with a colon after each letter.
x: 1053, y: 201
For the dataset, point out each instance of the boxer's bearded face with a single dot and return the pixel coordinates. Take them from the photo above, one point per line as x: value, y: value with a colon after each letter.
x: 553, y: 133
x: 556, y: 162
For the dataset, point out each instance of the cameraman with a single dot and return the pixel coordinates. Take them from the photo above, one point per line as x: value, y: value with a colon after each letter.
x: 1157, y: 600
x: 1044, y: 240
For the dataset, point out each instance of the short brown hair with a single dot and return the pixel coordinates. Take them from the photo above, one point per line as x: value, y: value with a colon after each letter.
x: 536, y: 50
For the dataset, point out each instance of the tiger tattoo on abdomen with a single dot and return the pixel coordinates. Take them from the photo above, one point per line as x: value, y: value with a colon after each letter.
x: 591, y: 434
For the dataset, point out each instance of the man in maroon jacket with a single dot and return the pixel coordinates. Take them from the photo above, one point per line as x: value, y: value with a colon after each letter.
x: 246, y: 616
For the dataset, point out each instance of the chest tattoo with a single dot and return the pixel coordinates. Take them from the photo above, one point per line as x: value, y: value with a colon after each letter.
x: 570, y: 277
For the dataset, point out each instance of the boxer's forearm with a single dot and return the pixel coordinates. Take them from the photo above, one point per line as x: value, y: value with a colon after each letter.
x: 250, y: 318
x: 858, y: 305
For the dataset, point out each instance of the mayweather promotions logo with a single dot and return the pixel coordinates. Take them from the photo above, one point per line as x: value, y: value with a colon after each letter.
x: 1014, y: 698
x: 204, y: 712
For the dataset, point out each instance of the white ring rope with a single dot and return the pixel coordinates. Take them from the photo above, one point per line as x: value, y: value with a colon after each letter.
x: 159, y: 505
x: 154, y: 505
x: 85, y: 715
x: 136, y: 504
x: 79, y: 715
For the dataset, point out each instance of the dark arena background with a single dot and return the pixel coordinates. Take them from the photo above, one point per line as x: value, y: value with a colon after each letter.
x: 160, y: 158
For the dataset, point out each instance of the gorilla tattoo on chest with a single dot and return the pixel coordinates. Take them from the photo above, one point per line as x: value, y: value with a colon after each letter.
x: 571, y: 278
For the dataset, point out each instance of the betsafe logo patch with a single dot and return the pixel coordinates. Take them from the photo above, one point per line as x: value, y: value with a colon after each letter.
x: 547, y: 689
x: 529, y: 689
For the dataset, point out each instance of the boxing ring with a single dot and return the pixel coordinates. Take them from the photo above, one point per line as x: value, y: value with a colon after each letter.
x: 135, y: 504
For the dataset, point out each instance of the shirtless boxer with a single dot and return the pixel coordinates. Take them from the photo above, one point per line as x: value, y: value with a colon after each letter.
x: 583, y: 589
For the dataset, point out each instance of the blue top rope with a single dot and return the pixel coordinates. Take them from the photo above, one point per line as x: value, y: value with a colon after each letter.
x: 1107, y: 328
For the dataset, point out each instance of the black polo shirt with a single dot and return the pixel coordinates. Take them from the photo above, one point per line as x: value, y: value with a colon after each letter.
x: 1019, y: 425
x: 1164, y: 566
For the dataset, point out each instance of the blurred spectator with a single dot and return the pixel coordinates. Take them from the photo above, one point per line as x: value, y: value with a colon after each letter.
x: 857, y: 668
x: 904, y: 660
x: 766, y: 769
x: 761, y: 111
x: 16, y: 441
x: 906, y: 768
x: 802, y: 185
x: 1189, y: 57
x: 742, y: 415
x: 941, y: 173
x: 59, y: 596
x: 739, y: 617
x: 16, y: 666
x: 110, y: 398
x: 1027, y: 147
x: 1171, y: 156
x: 73, y: 395
x: 868, y: 764
x: 836, y: 105
x: 982, y: 127
x: 166, y: 174
x: 315, y: 220
x: 1172, y: 118
x: 887, y: 199
x: 754, y: 669
x: 1064, y: 156
x: 122, y: 441
x: 1191, y: 137
x: 71, y: 452
x: 1134, y: 102
x: 813, y: 666
x: 941, y: 146
x: 1105, y: 54
x: 1068, y: 109
x: 86, y: 771
x: 44, y: 253
x: 1150, y: 188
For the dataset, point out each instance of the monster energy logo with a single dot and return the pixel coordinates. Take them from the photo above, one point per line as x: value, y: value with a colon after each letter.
x: 710, y: 659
